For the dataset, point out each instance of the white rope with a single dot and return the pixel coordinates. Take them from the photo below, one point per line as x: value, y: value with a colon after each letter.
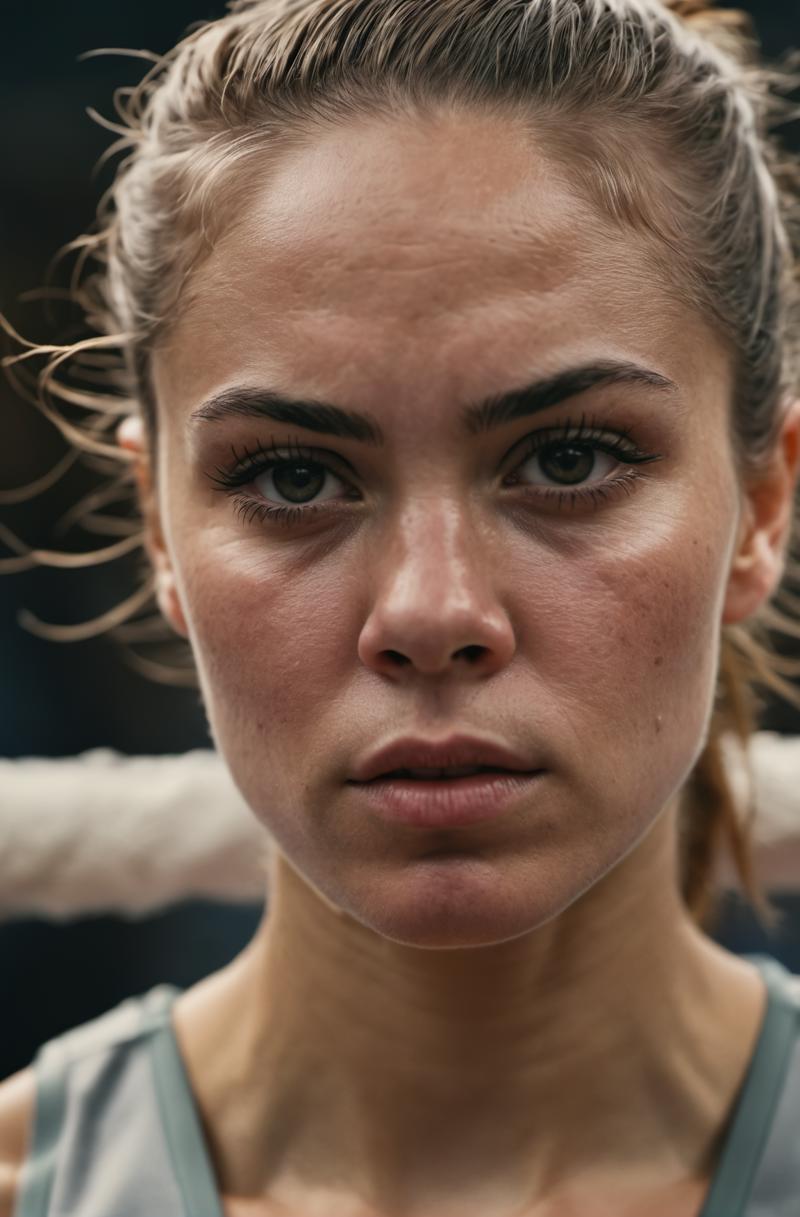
x: 103, y: 832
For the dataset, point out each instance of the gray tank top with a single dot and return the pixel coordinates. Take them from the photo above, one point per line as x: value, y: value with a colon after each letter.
x: 116, y: 1131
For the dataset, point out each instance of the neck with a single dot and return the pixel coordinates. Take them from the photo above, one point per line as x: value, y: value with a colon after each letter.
x: 610, y: 1042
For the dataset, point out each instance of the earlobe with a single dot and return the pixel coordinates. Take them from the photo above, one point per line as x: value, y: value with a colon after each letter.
x: 754, y: 575
x: 169, y: 601
x: 131, y: 436
x: 767, y: 516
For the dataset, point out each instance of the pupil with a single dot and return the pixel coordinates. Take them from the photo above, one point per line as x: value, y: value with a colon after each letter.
x: 568, y: 463
x: 296, y: 480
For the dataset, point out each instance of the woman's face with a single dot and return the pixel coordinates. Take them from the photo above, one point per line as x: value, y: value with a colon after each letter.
x: 565, y: 600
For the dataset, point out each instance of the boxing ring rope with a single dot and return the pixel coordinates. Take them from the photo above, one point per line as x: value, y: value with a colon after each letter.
x: 107, y: 833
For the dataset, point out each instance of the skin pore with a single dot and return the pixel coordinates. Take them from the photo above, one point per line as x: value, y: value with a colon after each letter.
x: 516, y: 1019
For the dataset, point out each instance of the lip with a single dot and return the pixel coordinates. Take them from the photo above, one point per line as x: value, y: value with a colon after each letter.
x: 452, y: 752
x: 445, y: 802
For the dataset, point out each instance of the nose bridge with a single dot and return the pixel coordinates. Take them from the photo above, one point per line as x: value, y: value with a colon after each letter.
x: 437, y: 552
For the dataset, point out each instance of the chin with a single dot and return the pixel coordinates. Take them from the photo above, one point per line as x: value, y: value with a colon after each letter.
x: 453, y: 901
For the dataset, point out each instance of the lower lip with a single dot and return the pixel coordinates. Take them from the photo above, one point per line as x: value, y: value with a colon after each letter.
x: 446, y: 802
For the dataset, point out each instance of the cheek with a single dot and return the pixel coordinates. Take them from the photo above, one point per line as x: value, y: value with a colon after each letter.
x: 632, y: 649
x: 269, y: 643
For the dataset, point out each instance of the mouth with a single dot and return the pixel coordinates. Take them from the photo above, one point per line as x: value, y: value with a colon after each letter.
x: 458, y: 757
x: 438, y: 775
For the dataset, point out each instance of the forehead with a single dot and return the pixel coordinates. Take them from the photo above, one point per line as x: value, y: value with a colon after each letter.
x: 382, y: 249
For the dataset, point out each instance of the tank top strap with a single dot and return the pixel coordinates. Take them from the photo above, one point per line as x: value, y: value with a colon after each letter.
x: 39, y: 1167
x: 744, y: 1167
x: 776, y: 1182
x: 180, y: 1119
x: 63, y: 1110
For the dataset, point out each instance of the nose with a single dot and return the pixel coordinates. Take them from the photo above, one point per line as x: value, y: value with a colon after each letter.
x: 435, y: 607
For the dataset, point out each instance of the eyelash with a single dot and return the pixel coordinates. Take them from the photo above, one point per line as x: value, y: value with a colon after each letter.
x: 251, y: 463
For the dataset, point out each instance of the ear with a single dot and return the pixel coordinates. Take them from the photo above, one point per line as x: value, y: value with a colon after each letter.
x: 131, y: 436
x: 758, y: 563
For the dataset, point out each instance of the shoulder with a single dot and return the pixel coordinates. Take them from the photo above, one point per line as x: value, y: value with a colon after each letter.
x: 17, y: 1103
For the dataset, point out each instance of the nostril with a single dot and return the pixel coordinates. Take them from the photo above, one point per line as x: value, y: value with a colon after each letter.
x: 397, y: 657
x: 472, y: 653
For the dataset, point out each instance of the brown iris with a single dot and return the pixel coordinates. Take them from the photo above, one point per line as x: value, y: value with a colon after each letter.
x: 567, y: 462
x: 298, y: 480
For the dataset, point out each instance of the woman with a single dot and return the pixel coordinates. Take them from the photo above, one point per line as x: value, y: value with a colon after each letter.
x: 466, y: 440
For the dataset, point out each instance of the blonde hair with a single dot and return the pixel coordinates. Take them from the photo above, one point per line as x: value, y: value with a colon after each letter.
x: 682, y: 81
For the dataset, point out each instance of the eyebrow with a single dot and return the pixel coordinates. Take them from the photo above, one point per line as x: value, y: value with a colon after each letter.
x: 476, y: 417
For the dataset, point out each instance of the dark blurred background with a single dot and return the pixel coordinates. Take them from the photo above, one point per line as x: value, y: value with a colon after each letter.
x: 62, y: 699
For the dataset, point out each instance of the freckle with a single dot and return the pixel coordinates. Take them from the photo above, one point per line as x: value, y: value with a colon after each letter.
x: 659, y: 659
x: 658, y: 723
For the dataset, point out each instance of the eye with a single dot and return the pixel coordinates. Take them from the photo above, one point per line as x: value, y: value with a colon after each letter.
x: 291, y: 483
x: 578, y: 464
x: 297, y: 482
x: 568, y: 463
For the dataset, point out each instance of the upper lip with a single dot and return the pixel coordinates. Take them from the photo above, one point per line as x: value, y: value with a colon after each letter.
x: 452, y: 752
